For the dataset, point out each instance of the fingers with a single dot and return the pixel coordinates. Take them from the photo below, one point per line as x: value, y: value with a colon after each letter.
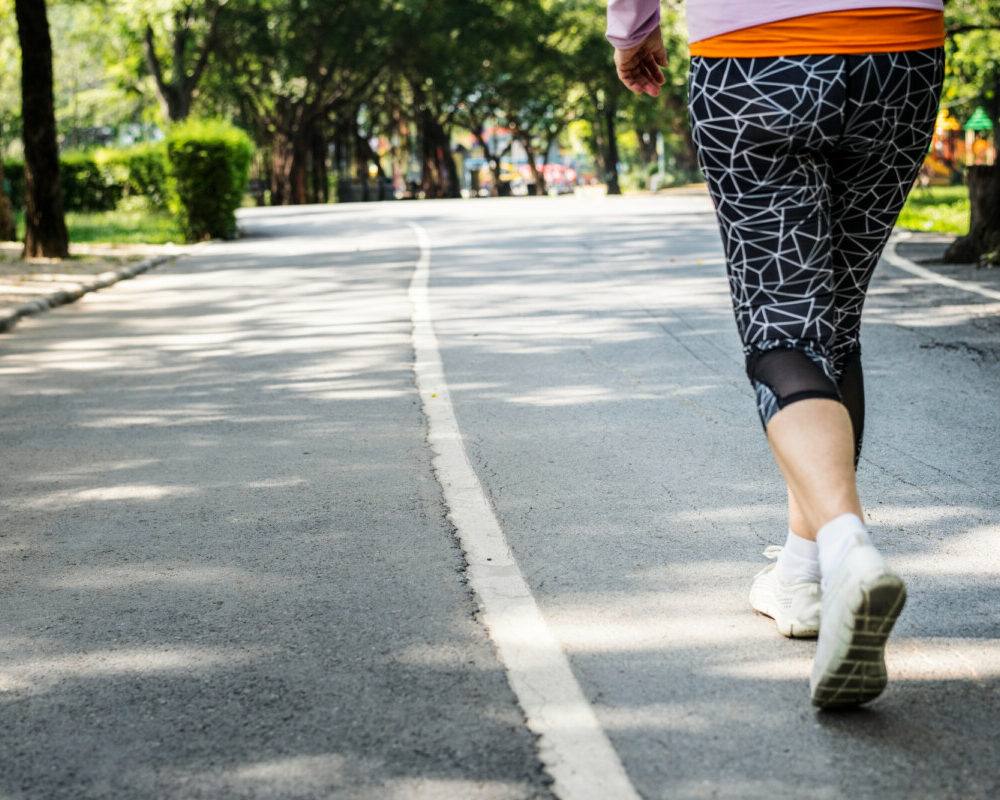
x: 639, y: 67
x: 641, y: 74
x: 652, y: 70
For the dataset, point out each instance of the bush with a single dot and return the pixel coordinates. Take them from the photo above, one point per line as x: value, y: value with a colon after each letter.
x: 208, y: 168
x: 13, y: 175
x: 86, y: 187
x: 139, y: 171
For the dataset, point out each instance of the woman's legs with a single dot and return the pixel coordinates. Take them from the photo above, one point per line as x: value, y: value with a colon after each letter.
x: 813, y: 443
x: 852, y: 395
x: 808, y: 160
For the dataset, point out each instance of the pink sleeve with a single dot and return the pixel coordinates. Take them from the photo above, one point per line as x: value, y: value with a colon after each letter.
x: 631, y: 21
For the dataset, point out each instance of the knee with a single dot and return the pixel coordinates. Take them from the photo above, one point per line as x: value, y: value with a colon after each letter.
x: 787, y: 374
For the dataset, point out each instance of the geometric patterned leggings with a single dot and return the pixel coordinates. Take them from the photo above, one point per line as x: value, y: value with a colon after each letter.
x: 809, y: 160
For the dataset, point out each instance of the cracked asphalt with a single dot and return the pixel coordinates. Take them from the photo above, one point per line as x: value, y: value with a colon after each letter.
x: 226, y: 568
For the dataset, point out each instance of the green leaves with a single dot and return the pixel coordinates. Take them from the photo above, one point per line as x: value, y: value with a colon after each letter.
x: 208, y: 169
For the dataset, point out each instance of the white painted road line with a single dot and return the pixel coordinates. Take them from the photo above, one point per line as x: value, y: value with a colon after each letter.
x: 572, y: 745
x: 906, y: 265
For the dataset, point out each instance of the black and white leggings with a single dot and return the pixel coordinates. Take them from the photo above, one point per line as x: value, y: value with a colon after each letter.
x: 809, y: 160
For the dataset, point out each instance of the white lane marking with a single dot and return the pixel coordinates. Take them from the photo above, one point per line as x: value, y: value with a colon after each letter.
x: 572, y: 745
x: 906, y: 265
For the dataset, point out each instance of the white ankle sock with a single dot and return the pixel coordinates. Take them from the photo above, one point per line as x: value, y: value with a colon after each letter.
x: 837, y: 537
x: 799, y: 560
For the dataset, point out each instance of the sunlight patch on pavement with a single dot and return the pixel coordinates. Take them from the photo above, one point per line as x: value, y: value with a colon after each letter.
x: 571, y: 395
x: 216, y: 579
x: 36, y: 675
x: 907, y: 659
x: 335, y: 775
x: 346, y: 389
x: 657, y: 716
x: 963, y: 554
x: 300, y: 774
x: 667, y: 630
x: 135, y: 491
x: 944, y: 315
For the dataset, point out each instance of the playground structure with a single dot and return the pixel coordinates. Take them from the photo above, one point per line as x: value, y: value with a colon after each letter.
x: 956, y: 147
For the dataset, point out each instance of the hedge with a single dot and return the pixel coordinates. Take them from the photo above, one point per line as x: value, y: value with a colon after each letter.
x: 97, y: 181
x: 139, y: 171
x: 208, y: 167
x: 86, y: 187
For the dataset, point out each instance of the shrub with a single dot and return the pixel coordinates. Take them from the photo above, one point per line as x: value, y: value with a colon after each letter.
x: 208, y: 168
x: 86, y: 187
x: 13, y: 175
x: 139, y: 171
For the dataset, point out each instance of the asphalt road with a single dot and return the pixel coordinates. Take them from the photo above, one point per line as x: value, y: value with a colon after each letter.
x: 227, y: 568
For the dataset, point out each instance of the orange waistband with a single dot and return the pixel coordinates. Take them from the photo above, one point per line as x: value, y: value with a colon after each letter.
x: 876, y: 30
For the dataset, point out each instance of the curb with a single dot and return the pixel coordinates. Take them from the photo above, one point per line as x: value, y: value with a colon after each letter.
x: 8, y: 319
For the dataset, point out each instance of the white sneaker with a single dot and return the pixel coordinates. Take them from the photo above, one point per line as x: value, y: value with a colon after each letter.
x: 861, y: 602
x: 795, y: 607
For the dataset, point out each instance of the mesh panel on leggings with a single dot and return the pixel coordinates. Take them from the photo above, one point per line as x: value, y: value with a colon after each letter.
x: 852, y: 395
x: 791, y: 375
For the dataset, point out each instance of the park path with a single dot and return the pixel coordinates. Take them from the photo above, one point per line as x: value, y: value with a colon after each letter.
x: 227, y: 569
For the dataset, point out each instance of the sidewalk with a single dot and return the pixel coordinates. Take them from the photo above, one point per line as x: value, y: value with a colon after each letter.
x: 927, y: 249
x: 28, y: 287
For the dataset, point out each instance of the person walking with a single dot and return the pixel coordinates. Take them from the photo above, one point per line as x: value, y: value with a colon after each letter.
x: 811, y: 119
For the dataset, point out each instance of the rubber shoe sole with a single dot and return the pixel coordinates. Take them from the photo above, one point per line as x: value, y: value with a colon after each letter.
x: 857, y: 618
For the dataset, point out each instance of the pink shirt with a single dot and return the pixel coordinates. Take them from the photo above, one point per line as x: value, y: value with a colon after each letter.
x: 631, y: 21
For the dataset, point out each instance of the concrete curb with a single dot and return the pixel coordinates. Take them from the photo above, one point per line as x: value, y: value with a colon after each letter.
x: 8, y: 319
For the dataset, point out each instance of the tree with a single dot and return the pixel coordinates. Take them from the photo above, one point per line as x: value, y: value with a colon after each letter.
x: 288, y: 66
x: 45, y: 223
x: 444, y: 50
x: 191, y: 30
x: 982, y: 242
x: 973, y: 78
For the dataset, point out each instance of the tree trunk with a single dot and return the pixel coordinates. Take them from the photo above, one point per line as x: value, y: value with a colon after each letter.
x: 647, y: 146
x: 290, y: 183
x: 983, y: 238
x: 342, y: 158
x: 176, y: 94
x: 687, y: 158
x: 433, y: 177
x: 492, y: 159
x: 320, y: 182
x: 299, y: 177
x: 539, y: 175
x: 45, y: 222
x: 611, y: 160
x: 8, y: 230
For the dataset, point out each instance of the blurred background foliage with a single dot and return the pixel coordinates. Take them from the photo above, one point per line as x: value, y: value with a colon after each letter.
x: 353, y: 99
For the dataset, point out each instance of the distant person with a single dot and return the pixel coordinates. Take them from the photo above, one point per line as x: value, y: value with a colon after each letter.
x: 811, y: 119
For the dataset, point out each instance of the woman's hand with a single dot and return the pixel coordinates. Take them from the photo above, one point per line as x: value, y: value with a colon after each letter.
x: 639, y: 66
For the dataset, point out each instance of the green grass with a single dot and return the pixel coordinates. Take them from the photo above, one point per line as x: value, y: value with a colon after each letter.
x: 119, y: 227
x: 942, y: 209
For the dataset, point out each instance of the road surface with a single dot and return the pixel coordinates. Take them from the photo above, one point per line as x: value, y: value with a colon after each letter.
x: 235, y: 562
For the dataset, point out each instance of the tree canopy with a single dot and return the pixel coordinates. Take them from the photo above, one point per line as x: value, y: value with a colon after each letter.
x: 368, y: 88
